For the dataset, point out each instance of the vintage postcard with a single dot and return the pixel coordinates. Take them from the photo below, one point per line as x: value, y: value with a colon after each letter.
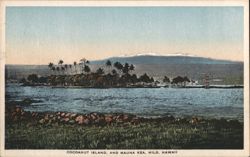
x: 124, y: 78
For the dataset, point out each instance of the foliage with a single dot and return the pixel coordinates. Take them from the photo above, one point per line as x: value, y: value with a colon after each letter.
x: 131, y: 67
x: 180, y: 79
x: 108, y: 63
x: 42, y: 79
x: 118, y: 66
x: 100, y: 71
x: 125, y: 68
x: 166, y: 79
x: 118, y: 77
x: 148, y: 135
x: 146, y: 78
x: 86, y: 69
x: 23, y: 80
x: 114, y: 72
x: 33, y: 78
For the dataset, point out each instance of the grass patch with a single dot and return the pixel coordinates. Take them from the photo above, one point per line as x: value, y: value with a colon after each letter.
x: 148, y: 135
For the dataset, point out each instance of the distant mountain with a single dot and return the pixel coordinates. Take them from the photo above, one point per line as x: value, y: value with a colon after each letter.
x: 168, y: 59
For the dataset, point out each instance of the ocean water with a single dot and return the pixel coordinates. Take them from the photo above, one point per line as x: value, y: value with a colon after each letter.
x: 149, y: 102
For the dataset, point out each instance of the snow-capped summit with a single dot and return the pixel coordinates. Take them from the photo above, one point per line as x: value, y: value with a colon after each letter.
x: 157, y: 54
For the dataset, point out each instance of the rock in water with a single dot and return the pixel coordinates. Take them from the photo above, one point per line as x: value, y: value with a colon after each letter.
x: 27, y: 101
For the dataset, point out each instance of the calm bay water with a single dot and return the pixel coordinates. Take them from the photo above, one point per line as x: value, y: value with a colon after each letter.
x: 180, y: 102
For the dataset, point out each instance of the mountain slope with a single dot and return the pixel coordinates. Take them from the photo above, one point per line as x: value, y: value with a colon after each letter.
x: 152, y: 59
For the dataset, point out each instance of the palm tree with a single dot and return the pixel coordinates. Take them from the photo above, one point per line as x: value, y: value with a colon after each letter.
x: 125, y: 68
x: 100, y: 71
x: 86, y: 69
x: 63, y: 69
x: 82, y: 64
x: 83, y: 60
x: 185, y: 80
x: 58, y: 70
x: 166, y: 79
x: 118, y: 66
x: 33, y: 78
x: 131, y: 67
x: 53, y: 68
x: 66, y: 68
x: 60, y: 63
x: 70, y: 66
x: 145, y: 78
x: 108, y: 64
x: 75, y: 66
x: 51, y: 65
x: 80, y: 67
x: 114, y: 72
x: 177, y: 80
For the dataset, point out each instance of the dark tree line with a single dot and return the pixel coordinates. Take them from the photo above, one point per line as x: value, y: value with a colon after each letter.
x: 109, y: 75
x: 112, y: 75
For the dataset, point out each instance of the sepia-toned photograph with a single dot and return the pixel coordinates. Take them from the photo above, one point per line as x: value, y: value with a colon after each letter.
x: 103, y: 79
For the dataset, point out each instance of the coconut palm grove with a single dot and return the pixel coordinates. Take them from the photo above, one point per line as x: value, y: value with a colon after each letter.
x: 109, y: 75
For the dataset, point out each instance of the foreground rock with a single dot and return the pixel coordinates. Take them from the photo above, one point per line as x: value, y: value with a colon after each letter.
x: 14, y: 114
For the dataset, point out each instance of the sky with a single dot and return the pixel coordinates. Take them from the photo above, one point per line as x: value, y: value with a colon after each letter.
x: 39, y: 35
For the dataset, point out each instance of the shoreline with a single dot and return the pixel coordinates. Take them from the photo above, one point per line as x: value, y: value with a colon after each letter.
x: 149, y: 86
x: 9, y: 105
x: 16, y: 113
x: 62, y: 130
x: 210, y: 87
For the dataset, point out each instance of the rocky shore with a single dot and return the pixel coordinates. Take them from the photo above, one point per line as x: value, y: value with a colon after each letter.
x: 66, y: 130
x: 15, y: 113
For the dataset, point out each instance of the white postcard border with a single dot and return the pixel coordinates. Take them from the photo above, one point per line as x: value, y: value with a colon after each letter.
x: 192, y: 152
